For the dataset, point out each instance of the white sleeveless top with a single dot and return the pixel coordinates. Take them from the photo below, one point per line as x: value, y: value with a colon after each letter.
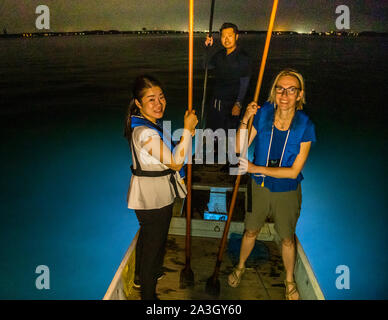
x: 151, y: 192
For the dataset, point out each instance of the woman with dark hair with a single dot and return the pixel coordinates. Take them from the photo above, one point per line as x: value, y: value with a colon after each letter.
x: 282, y: 134
x: 157, y: 176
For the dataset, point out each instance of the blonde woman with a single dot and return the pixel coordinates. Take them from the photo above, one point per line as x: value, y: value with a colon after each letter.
x: 282, y: 134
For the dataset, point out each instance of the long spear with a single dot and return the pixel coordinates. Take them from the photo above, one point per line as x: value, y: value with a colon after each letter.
x: 187, y: 275
x: 213, y: 284
x: 207, y: 53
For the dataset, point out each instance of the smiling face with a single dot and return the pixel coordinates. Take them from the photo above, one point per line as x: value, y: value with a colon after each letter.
x: 229, y: 39
x: 286, y: 101
x: 152, y: 104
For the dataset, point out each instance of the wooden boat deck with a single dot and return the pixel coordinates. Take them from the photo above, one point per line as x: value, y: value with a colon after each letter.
x: 263, y: 278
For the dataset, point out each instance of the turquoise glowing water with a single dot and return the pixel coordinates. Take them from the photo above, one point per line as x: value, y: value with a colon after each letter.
x: 65, y: 166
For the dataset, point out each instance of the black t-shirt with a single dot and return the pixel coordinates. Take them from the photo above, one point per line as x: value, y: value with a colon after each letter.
x: 229, y: 69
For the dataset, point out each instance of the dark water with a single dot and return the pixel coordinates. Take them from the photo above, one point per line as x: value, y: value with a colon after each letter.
x: 65, y: 166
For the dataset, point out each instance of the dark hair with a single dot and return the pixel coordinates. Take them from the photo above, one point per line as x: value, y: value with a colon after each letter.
x: 227, y: 25
x: 140, y: 84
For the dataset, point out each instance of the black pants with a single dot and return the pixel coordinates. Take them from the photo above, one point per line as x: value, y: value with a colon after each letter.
x: 150, y: 247
x: 220, y: 115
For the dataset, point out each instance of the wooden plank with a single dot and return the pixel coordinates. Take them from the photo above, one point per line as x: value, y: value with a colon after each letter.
x: 214, y: 229
x: 203, y: 262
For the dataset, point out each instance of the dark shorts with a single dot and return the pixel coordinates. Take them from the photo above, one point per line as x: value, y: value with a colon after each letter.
x: 283, y: 207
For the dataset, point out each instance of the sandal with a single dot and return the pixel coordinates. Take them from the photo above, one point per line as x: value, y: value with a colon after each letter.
x: 234, y: 279
x: 289, y: 293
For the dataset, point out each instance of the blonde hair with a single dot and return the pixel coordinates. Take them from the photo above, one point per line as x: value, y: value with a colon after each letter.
x: 293, y: 73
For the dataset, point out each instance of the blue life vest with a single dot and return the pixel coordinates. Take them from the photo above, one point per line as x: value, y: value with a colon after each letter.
x: 137, y: 121
x: 262, y: 140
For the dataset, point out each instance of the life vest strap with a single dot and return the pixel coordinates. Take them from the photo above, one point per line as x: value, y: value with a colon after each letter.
x: 142, y: 173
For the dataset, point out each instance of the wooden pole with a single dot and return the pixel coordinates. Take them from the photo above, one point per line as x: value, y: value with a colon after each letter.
x: 212, y: 285
x: 206, y: 69
x: 262, y: 67
x: 191, y: 50
x: 187, y: 275
x: 265, y: 53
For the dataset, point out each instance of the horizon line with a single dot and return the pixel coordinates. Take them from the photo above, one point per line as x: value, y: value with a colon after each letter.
x: 144, y: 30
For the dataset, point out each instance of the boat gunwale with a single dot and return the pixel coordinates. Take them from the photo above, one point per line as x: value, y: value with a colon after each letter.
x: 117, y: 277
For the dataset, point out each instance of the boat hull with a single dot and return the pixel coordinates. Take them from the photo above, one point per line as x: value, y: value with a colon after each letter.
x: 121, y: 286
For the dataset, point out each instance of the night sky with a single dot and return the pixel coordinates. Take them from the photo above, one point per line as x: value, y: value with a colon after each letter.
x: 297, y: 15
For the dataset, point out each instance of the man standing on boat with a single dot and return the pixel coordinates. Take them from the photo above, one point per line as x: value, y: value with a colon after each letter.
x: 232, y: 69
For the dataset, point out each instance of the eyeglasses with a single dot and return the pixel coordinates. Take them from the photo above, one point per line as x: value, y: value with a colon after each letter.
x: 289, y: 91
